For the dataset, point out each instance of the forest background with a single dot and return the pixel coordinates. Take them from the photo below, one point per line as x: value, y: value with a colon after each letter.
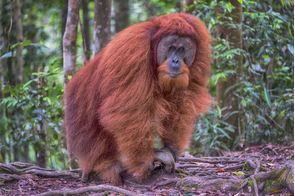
x: 252, y: 80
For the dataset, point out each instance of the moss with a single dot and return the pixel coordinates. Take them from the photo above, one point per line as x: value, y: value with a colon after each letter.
x: 106, y: 193
x: 246, y: 166
x: 258, y: 180
x: 281, y: 175
x: 289, y: 178
x: 250, y: 182
x: 269, y: 183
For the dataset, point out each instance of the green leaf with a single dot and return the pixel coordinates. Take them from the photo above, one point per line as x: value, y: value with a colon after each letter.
x: 291, y: 48
x: 25, y: 43
x: 55, y: 136
x: 218, y: 108
x: 266, y: 96
x: 7, y: 190
x: 241, y: 1
x: 38, y: 45
x: 244, y: 102
x: 224, y: 133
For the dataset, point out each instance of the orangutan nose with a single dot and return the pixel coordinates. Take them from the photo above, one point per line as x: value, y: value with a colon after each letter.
x: 175, y: 66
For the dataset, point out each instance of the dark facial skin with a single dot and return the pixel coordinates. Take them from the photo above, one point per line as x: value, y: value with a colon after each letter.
x: 176, y: 50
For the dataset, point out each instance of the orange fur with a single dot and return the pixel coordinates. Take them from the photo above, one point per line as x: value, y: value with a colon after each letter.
x: 122, y: 99
x: 167, y: 83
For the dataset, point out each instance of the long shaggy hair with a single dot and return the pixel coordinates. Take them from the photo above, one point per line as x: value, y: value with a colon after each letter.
x: 122, y: 99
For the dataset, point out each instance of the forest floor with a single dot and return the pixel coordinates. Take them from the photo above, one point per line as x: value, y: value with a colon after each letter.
x: 258, y: 170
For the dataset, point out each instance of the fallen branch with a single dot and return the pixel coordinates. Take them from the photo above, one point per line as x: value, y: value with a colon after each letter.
x: 14, y: 171
x: 205, y: 160
x: 99, y: 188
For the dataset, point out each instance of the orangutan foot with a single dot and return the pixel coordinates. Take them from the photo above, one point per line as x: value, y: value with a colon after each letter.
x: 165, y: 156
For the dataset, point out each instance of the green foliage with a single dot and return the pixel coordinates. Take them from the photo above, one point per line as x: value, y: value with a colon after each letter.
x: 30, y: 106
x: 266, y: 88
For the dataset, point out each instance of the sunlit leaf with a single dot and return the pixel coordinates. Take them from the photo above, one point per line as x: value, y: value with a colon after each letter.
x: 9, y: 54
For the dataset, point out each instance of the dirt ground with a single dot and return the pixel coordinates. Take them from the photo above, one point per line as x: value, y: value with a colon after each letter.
x: 230, y: 166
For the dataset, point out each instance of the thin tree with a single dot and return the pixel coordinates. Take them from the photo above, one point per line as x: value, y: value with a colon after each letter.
x: 69, y: 50
x: 2, y: 110
x: 101, y: 24
x: 69, y: 40
x: 121, y: 14
x: 86, y: 27
x: 188, y: 3
x: 41, y: 155
x: 20, y: 37
x: 233, y: 37
x: 64, y: 11
x: 178, y: 5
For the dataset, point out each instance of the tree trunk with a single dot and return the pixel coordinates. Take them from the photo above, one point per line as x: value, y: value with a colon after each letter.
x: 150, y: 8
x: 7, y: 38
x: 41, y: 156
x: 24, y: 149
x: 69, y: 40
x: 69, y: 50
x: 64, y: 11
x: 121, y: 14
x: 178, y: 5
x: 101, y: 24
x: 19, y: 56
x: 86, y: 27
x: 6, y: 21
x: 188, y: 3
x: 2, y: 110
x: 234, y: 36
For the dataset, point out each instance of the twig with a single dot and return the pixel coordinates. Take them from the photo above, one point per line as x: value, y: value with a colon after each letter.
x: 20, y: 189
x: 234, y: 167
x: 269, y: 149
x: 257, y: 167
x: 251, y: 163
x: 83, y: 190
x: 189, y: 166
x: 166, y: 182
x: 208, y: 161
x: 243, y: 185
x: 269, y: 117
x: 261, y: 186
x: 266, y: 115
x: 250, y: 61
x: 255, y: 185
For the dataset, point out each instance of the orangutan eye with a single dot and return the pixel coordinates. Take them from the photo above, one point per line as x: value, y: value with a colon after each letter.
x: 180, y: 50
x: 171, y: 49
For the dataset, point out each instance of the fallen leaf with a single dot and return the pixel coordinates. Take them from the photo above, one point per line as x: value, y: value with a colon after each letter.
x: 275, y: 191
x: 219, y: 170
x: 239, y: 173
x: 241, y: 144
